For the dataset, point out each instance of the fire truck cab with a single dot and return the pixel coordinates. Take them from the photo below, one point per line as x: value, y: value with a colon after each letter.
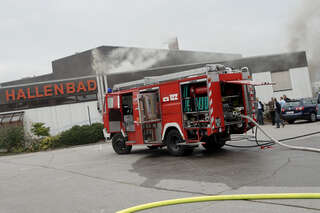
x: 180, y: 110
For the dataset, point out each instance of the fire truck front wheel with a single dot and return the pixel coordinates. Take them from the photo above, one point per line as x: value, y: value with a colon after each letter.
x: 173, y: 138
x: 119, y: 144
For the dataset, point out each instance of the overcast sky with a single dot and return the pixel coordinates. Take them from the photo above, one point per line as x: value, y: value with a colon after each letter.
x: 33, y: 33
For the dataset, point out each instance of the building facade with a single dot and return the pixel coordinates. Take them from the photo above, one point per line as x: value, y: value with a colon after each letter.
x: 68, y: 96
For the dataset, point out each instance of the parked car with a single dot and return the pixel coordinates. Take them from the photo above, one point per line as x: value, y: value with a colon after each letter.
x: 304, y: 109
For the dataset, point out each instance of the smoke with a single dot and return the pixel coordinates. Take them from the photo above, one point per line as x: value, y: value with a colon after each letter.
x: 126, y: 59
x: 99, y: 62
x: 304, y: 34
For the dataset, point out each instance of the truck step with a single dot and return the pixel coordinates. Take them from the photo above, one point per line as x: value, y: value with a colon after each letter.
x: 190, y: 144
x: 152, y: 142
x: 130, y: 142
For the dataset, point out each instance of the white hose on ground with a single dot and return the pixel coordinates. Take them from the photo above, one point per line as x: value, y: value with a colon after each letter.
x: 278, y: 142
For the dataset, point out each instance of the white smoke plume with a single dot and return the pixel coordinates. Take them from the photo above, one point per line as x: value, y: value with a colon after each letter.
x: 99, y: 62
x: 126, y: 59
x: 304, y: 34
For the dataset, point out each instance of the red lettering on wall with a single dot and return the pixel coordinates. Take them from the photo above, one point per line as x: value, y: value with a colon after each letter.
x: 81, y: 87
x: 38, y: 95
x: 12, y: 95
x: 47, y: 90
x: 21, y: 94
x: 29, y: 94
x: 58, y: 89
x: 92, y: 85
x: 70, y: 88
x: 53, y: 89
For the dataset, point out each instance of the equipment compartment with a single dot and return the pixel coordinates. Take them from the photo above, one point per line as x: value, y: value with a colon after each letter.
x: 195, y: 106
x: 149, y: 106
x: 233, y: 104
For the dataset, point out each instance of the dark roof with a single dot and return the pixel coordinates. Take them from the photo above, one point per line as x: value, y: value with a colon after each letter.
x: 272, y: 63
x: 82, y: 63
x: 39, y: 78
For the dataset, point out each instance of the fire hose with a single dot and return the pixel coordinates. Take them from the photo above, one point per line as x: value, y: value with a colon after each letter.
x: 240, y: 196
x: 221, y: 198
x: 277, y: 141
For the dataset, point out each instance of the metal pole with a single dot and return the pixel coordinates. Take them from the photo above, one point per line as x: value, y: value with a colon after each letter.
x: 89, y: 115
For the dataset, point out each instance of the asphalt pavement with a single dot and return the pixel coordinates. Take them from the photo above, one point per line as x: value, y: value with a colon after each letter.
x: 93, y: 179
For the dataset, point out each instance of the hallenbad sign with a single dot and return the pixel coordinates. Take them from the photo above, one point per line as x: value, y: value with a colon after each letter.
x: 14, y: 94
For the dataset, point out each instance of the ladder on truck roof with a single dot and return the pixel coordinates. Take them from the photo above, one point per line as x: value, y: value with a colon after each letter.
x: 172, y: 76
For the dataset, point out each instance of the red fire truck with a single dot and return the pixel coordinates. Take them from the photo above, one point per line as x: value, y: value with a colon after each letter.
x: 180, y: 110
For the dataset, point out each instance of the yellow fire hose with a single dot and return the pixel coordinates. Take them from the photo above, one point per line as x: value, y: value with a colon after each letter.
x: 221, y: 198
x: 233, y: 197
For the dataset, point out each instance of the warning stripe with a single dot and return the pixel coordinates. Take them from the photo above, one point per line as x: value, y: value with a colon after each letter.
x: 252, y: 102
x: 210, y: 85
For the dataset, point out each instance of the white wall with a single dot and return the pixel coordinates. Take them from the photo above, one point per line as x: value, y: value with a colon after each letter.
x: 300, y: 80
x: 62, y: 117
x: 264, y: 93
x: 301, y: 83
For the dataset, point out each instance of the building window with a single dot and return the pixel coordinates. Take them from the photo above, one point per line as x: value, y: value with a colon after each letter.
x: 15, y: 118
x: 282, y: 81
x: 110, y: 102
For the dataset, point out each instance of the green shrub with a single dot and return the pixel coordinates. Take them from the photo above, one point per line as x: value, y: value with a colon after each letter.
x: 34, y: 146
x: 85, y: 134
x: 12, y: 138
x: 97, y: 131
x: 49, y: 142
x: 40, y: 130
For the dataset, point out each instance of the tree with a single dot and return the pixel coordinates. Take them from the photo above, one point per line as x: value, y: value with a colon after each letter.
x: 38, y: 129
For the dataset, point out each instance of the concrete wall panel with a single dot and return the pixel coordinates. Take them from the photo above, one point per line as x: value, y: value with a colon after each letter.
x: 62, y: 117
x: 300, y: 81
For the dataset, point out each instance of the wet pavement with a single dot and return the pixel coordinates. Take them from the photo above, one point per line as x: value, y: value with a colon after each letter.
x: 94, y: 179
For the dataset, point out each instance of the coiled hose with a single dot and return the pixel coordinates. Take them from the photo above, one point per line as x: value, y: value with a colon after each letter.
x: 259, y: 143
x: 277, y: 141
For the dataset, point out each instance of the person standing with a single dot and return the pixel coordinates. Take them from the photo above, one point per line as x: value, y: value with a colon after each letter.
x: 285, y: 98
x: 272, y: 111
x: 278, y: 113
x: 282, y: 102
x: 260, y: 112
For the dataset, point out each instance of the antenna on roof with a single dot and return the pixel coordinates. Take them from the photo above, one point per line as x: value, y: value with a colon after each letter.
x: 173, y: 44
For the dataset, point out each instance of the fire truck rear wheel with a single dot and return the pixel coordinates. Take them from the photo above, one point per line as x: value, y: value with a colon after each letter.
x: 213, y: 143
x: 119, y: 144
x: 153, y: 147
x: 173, y: 138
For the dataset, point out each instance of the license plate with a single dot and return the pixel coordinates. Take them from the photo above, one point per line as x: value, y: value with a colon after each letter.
x: 290, y: 112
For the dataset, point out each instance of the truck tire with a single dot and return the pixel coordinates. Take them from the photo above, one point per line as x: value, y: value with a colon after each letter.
x: 119, y: 144
x: 153, y: 147
x: 213, y: 143
x: 173, y: 138
x: 313, y: 117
